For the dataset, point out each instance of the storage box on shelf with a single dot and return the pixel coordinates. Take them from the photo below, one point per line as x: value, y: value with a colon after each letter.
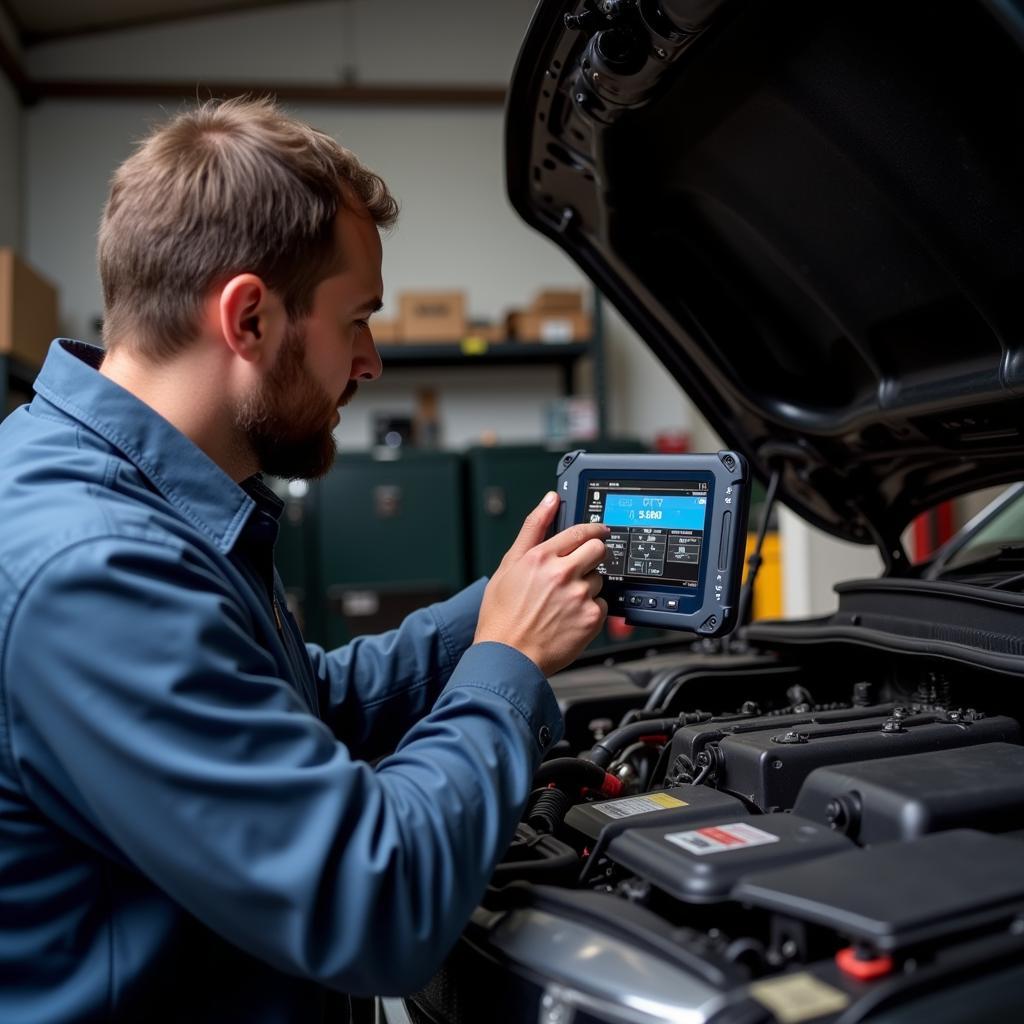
x: 28, y: 323
x: 554, y: 316
x: 431, y: 317
x: 28, y: 310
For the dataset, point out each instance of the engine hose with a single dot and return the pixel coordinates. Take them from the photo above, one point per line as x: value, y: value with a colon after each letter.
x: 557, y: 863
x: 604, y: 752
x: 549, y: 810
x: 578, y: 773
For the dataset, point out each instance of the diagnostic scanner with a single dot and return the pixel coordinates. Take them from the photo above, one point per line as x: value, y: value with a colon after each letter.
x: 678, y: 533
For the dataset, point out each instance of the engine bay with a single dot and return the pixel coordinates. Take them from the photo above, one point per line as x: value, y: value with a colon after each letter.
x: 771, y: 832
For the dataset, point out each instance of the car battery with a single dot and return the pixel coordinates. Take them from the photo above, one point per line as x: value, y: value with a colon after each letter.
x: 666, y: 808
x: 702, y: 863
x: 900, y: 798
x: 390, y: 535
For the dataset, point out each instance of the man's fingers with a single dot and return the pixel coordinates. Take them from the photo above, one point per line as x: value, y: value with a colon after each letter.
x: 587, y: 557
x: 535, y: 526
x: 595, y: 581
x: 567, y: 541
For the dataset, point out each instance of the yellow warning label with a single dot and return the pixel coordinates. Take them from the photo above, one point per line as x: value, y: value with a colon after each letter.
x: 795, y: 998
x: 630, y: 805
x: 664, y: 800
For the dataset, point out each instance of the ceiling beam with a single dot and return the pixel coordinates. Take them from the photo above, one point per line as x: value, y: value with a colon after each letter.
x: 346, y: 95
x: 84, y: 28
x: 33, y: 90
x: 11, y: 67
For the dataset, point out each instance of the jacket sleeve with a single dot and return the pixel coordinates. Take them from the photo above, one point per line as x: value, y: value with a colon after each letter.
x: 135, y: 691
x: 374, y: 688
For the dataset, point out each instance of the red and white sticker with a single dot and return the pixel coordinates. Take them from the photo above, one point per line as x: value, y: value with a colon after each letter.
x: 720, y: 838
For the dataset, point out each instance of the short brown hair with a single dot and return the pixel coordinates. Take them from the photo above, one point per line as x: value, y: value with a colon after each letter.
x: 229, y: 187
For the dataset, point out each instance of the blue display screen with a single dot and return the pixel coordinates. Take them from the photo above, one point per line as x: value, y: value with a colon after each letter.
x: 662, y: 511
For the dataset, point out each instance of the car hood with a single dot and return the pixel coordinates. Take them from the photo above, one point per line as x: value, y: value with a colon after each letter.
x: 814, y: 216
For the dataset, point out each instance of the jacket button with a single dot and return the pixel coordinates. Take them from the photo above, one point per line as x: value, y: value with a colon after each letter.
x: 544, y: 736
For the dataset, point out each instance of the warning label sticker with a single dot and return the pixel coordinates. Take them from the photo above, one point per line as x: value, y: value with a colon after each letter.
x: 795, y: 998
x: 639, y: 805
x: 720, y: 838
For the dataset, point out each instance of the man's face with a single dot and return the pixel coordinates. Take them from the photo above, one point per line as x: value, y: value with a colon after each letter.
x: 288, y: 421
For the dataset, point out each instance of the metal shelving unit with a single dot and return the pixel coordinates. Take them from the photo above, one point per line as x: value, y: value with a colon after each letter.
x: 475, y: 355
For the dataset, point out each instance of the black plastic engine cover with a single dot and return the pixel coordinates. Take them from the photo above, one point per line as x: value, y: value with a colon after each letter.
x: 766, y: 760
x: 900, y: 894
x: 902, y: 798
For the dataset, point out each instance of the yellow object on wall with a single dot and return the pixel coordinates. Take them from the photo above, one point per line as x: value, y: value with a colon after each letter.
x: 768, y: 588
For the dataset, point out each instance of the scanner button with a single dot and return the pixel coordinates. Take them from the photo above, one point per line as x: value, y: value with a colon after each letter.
x: 635, y: 599
x: 672, y: 604
x: 723, y: 547
x: 652, y: 602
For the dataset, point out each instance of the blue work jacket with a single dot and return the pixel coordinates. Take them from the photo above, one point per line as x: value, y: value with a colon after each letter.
x: 189, y: 828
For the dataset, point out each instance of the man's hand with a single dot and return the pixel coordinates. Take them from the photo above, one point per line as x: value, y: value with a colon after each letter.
x: 542, y: 600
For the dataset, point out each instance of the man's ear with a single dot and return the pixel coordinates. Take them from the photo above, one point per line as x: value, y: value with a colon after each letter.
x: 252, y: 318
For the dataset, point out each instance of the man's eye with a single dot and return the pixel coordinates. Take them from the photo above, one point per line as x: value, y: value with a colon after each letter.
x: 362, y: 323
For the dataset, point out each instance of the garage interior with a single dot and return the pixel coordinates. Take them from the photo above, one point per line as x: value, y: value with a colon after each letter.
x: 853, y: 752
x: 418, y: 93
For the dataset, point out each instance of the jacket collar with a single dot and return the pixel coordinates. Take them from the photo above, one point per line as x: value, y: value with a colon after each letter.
x: 201, y: 492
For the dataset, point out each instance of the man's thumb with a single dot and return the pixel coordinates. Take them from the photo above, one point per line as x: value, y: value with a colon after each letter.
x: 535, y: 526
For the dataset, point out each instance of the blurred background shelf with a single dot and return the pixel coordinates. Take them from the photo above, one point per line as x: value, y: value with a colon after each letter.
x: 519, y: 353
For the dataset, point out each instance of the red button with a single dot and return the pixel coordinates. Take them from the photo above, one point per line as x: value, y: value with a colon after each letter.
x: 850, y: 963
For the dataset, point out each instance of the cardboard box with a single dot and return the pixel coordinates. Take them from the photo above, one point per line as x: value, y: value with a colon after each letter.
x: 493, y: 334
x: 553, y: 328
x: 28, y: 310
x: 558, y: 300
x: 431, y: 317
x: 384, y: 329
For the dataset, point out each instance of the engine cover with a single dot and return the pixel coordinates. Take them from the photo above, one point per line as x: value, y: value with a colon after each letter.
x: 765, y: 760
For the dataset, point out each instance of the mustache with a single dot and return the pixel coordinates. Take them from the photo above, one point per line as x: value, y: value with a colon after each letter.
x: 349, y: 393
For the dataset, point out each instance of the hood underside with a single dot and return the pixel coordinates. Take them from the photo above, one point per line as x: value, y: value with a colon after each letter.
x: 813, y: 214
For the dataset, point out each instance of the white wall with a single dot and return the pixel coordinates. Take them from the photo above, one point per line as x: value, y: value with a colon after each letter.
x: 10, y: 149
x: 814, y: 562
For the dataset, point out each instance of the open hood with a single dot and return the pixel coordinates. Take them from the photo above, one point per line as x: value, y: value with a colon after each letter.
x: 813, y: 213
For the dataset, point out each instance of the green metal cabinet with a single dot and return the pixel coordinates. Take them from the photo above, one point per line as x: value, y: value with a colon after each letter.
x: 294, y: 551
x: 503, y: 484
x: 389, y: 537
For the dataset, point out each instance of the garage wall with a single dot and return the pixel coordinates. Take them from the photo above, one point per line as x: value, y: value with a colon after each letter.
x: 10, y: 149
x: 815, y: 562
x: 457, y: 228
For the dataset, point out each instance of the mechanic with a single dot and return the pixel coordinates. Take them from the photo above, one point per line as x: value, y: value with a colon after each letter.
x: 194, y: 823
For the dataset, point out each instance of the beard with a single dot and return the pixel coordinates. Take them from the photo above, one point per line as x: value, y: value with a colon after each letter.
x: 287, y: 422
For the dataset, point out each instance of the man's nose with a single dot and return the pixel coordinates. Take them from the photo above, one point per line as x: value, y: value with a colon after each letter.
x: 367, y: 364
